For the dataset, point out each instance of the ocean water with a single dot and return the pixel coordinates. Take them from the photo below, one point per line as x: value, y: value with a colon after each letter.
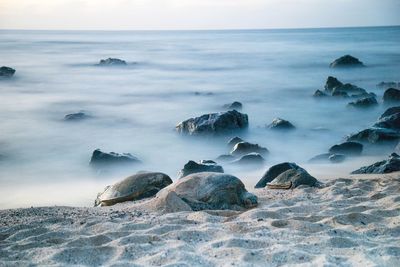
x: 45, y: 160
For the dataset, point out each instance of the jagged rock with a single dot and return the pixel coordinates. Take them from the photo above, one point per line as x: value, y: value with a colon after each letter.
x: 332, y: 83
x: 328, y: 157
x: 347, y: 148
x: 232, y: 142
x: 243, y: 148
x: 390, y: 111
x: 391, y: 95
x: 76, y: 116
x: 392, y: 164
x: 201, y: 166
x: 389, y: 122
x: 250, y: 159
x: 280, y: 124
x: 346, y: 61
x: 375, y: 135
x: 135, y: 187
x: 6, y: 72
x: 234, y: 105
x: 100, y: 158
x: 214, y: 123
x: 208, y: 191
x: 365, y: 102
x: 112, y: 62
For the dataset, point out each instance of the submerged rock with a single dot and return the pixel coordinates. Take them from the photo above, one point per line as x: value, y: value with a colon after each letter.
x: 214, y: 123
x: 243, y: 148
x: 280, y: 124
x: 347, y: 148
x: 201, y: 166
x: 225, y: 158
x: 76, y: 116
x: 250, y: 159
x: 319, y: 93
x: 346, y: 61
x: 6, y: 72
x: 391, y: 95
x: 207, y: 191
x: 234, y: 105
x: 385, y: 85
x: 375, y: 135
x: 233, y: 141
x: 100, y: 158
x: 328, y: 157
x: 112, y: 62
x: 135, y: 187
x: 365, y: 102
x: 392, y: 164
x: 337, y: 158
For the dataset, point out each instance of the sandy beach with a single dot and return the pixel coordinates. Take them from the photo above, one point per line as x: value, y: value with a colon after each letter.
x: 350, y: 221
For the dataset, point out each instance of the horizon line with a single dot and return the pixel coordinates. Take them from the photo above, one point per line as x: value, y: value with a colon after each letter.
x: 202, y: 29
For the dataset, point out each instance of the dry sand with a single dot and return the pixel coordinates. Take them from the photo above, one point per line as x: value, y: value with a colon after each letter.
x: 353, y: 221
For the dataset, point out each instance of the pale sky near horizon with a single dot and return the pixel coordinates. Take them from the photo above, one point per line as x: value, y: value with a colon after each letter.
x: 195, y: 14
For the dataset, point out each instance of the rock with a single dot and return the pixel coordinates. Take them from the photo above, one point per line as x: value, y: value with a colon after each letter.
x: 243, y: 148
x: 225, y: 158
x: 234, y: 141
x: 320, y: 158
x: 250, y: 159
x: 201, y: 166
x: 346, y: 61
x: 390, y: 111
x: 375, y: 135
x: 293, y: 178
x: 6, y: 72
x: 319, y: 93
x: 340, y: 94
x: 347, y: 148
x: 76, y: 116
x: 389, y: 122
x: 365, y: 102
x: 332, y: 83
x: 385, y: 85
x: 112, y: 62
x: 392, y: 164
x: 210, y: 191
x: 274, y: 171
x: 214, y: 123
x: 235, y: 105
x: 135, y: 187
x: 391, y: 95
x: 337, y: 158
x: 349, y: 88
x: 280, y: 124
x: 100, y: 158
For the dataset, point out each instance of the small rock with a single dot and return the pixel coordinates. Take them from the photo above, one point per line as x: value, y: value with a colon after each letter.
x: 6, y: 72
x: 346, y: 61
x: 385, y: 85
x: 112, y: 62
x: 365, y: 102
x: 243, y: 148
x: 392, y: 164
x: 235, y: 105
x: 201, y: 166
x: 280, y: 124
x: 100, y: 158
x: 391, y: 95
x: 347, y: 148
x: 250, y: 159
x: 225, y: 158
x: 76, y: 116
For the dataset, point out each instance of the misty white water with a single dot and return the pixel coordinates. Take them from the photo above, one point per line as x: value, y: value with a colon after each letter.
x: 45, y: 160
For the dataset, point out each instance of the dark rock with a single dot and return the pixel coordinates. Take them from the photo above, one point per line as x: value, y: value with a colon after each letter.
x: 319, y: 93
x: 389, y: 122
x: 243, y: 148
x: 201, y: 166
x: 346, y: 61
x: 365, y: 102
x: 293, y: 178
x: 390, y: 111
x: 100, y: 158
x: 234, y: 141
x: 214, y: 123
x: 76, y: 116
x: 391, y: 95
x: 274, y: 171
x: 332, y: 83
x: 385, y: 85
x: 6, y: 72
x: 392, y: 164
x: 337, y: 158
x: 250, y: 159
x: 340, y: 94
x: 135, y: 187
x: 225, y: 158
x: 347, y: 148
x: 112, y: 62
x: 349, y: 89
x: 328, y: 157
x: 375, y: 135
x: 280, y: 124
x: 235, y: 105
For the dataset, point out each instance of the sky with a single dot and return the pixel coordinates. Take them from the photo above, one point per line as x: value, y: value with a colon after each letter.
x: 195, y: 14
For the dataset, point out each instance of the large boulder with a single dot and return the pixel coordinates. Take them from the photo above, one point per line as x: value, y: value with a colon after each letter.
x: 206, y: 191
x: 135, y: 187
x: 214, y: 123
x: 112, y: 62
x: 6, y: 72
x: 346, y: 61
x: 243, y: 148
x: 365, y: 102
x: 100, y: 159
x: 391, y: 95
x: 280, y: 124
x: 392, y: 164
x: 201, y: 166
x: 347, y: 148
